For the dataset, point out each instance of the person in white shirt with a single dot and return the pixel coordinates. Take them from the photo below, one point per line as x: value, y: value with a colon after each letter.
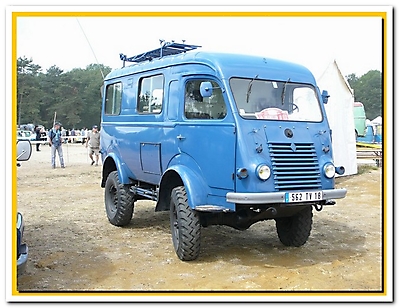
x: 93, y: 142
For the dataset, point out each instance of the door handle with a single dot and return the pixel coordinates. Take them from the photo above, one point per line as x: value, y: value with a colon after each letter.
x: 180, y: 137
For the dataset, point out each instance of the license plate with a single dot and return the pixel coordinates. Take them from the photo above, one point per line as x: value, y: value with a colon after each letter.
x: 304, y: 196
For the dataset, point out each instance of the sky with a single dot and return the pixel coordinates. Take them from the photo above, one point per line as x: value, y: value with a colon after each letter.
x: 74, y: 42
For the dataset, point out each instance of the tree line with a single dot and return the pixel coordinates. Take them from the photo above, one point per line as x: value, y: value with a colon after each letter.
x: 368, y: 90
x: 75, y: 95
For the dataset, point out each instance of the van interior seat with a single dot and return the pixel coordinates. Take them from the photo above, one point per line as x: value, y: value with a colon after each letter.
x: 197, y: 115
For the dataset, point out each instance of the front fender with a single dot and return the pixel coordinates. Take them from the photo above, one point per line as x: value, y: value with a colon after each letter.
x: 196, y: 188
x: 182, y: 169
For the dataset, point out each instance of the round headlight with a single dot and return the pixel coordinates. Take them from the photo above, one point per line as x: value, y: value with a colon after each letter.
x: 263, y: 172
x: 329, y: 170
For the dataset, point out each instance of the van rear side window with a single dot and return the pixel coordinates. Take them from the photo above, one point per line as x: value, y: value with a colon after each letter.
x: 151, y: 94
x: 113, y: 99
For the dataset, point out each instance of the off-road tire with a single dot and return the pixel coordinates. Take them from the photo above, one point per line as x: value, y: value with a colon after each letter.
x: 184, y: 225
x: 295, y: 230
x: 119, y: 202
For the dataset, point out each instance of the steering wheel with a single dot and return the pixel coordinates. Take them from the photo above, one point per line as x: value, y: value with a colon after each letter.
x: 295, y: 107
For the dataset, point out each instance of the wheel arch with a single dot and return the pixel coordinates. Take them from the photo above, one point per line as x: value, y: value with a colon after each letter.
x: 113, y: 163
x: 196, y: 188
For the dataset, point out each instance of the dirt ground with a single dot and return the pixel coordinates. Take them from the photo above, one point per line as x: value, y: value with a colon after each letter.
x: 73, y: 247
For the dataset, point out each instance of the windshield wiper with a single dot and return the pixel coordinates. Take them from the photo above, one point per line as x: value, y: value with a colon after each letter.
x: 250, y: 88
x: 283, y: 93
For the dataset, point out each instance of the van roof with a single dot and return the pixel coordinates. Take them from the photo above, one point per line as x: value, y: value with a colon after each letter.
x: 226, y: 65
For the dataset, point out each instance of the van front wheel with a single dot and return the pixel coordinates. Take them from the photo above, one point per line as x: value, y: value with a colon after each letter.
x: 119, y: 202
x: 295, y: 230
x: 184, y: 225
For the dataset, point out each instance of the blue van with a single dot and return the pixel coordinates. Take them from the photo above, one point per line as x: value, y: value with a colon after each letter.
x: 216, y: 139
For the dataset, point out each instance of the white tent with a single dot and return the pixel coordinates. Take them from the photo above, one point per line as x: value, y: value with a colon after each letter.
x: 340, y: 117
x: 377, y: 120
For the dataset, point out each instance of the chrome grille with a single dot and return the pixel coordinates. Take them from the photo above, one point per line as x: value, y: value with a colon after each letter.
x: 295, y: 166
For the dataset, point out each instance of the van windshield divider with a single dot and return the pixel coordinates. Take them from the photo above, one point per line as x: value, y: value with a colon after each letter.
x: 167, y: 49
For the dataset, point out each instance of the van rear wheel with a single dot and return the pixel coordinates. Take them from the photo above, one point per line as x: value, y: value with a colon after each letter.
x: 295, y: 230
x: 119, y: 202
x: 184, y: 225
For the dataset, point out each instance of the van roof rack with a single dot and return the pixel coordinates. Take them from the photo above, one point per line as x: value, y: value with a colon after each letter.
x: 166, y: 49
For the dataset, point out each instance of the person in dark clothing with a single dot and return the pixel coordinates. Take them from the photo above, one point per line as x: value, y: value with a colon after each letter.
x: 38, y: 135
x: 55, y: 141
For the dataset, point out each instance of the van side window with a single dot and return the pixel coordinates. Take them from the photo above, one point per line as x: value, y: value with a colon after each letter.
x: 150, y: 94
x: 198, y: 107
x: 113, y: 99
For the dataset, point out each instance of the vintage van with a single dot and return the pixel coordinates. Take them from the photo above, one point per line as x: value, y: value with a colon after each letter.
x: 359, y: 115
x: 216, y: 139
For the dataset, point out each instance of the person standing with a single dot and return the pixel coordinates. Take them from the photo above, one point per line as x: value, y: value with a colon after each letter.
x: 55, y: 141
x: 83, y: 134
x: 93, y: 141
x: 38, y: 135
x: 73, y: 134
x: 65, y: 135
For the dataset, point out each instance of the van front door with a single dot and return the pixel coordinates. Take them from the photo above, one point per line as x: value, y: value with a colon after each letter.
x: 207, y: 134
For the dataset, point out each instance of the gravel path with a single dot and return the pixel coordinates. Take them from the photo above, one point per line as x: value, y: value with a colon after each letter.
x: 73, y: 247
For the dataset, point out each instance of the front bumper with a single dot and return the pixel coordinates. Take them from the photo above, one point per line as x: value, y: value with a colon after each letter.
x: 23, y: 248
x: 277, y: 197
x: 23, y: 259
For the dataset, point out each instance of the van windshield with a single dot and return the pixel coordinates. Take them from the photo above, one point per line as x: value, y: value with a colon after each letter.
x: 275, y: 100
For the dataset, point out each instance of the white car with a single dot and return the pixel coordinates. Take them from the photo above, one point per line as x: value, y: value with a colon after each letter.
x: 25, y: 135
x: 24, y: 150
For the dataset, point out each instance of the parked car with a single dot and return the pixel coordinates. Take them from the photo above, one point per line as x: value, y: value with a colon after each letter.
x: 27, y: 132
x: 360, y: 119
x: 25, y: 135
x: 24, y: 151
x: 22, y: 248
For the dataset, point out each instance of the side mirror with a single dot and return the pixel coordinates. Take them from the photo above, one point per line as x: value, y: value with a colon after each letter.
x: 206, y: 89
x: 325, y: 96
x: 24, y: 150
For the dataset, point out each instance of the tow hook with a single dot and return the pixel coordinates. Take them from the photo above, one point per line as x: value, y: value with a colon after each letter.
x: 330, y: 202
x: 273, y: 210
x: 318, y: 207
